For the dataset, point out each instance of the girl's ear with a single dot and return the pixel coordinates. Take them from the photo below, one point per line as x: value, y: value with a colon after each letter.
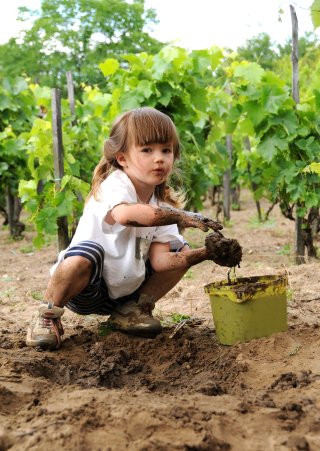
x: 121, y: 159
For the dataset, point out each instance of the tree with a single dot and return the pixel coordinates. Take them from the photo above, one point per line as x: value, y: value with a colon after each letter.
x: 259, y: 49
x: 76, y: 35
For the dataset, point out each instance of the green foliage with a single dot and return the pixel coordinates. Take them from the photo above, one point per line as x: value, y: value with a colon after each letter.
x: 17, y: 111
x: 313, y: 167
x: 284, y: 139
x: 176, y: 318
x: 207, y: 94
x: 82, y: 150
x: 75, y: 35
x: 315, y: 13
x: 177, y: 83
x: 259, y: 49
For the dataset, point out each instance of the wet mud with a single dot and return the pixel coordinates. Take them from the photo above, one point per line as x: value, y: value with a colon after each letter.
x: 223, y: 251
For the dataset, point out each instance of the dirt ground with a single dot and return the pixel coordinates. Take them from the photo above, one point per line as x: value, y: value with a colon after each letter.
x: 180, y: 391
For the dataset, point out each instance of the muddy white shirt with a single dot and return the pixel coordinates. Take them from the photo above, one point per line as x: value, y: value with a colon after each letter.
x: 126, y: 248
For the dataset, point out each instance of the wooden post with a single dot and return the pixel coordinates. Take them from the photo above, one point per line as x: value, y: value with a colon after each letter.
x: 10, y: 209
x: 63, y: 238
x: 227, y: 181
x: 299, y: 239
x: 71, y: 96
x: 254, y: 185
x: 227, y: 175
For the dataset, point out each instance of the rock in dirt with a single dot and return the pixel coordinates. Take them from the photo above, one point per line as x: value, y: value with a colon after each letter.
x: 223, y: 251
x: 6, y: 440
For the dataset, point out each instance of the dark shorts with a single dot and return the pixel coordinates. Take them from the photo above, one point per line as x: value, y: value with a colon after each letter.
x: 95, y: 297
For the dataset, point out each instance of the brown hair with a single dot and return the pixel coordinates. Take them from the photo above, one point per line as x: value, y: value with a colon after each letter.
x: 139, y: 126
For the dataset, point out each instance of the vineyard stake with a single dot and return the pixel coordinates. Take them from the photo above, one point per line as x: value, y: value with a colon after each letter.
x: 299, y: 240
x: 62, y: 222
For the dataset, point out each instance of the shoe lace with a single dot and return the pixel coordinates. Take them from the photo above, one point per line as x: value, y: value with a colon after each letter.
x: 45, y: 322
x: 55, y: 325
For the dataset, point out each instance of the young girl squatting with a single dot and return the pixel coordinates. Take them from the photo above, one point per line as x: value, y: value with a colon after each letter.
x: 127, y: 251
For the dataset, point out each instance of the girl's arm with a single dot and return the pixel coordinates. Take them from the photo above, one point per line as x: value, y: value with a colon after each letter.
x: 162, y: 259
x: 221, y: 250
x: 145, y: 215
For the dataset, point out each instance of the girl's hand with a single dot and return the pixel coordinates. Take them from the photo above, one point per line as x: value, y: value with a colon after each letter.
x: 189, y: 219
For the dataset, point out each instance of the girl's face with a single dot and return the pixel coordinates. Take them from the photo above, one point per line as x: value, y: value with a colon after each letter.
x: 149, y: 165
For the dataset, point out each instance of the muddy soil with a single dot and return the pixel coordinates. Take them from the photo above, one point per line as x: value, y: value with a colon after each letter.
x: 180, y: 391
x: 223, y: 251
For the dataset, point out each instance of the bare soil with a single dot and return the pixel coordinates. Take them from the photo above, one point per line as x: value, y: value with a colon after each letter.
x: 180, y: 391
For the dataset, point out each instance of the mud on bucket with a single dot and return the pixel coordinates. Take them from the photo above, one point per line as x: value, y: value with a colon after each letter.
x: 249, y: 307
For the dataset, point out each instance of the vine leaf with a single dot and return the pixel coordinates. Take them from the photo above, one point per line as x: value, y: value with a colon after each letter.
x: 315, y: 13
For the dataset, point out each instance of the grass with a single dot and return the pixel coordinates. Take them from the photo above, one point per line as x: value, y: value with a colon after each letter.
x: 29, y: 249
x: 194, y: 237
x: 174, y: 319
x: 189, y: 274
x: 285, y: 250
x: 254, y: 223
x: 37, y: 295
x: 6, y: 294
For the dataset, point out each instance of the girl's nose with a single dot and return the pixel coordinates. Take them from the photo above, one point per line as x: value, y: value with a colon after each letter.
x: 158, y: 156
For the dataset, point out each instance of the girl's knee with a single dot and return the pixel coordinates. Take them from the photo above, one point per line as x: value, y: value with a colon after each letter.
x: 79, y: 263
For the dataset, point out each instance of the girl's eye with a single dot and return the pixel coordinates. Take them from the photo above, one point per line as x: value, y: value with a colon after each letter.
x: 167, y: 150
x: 146, y: 149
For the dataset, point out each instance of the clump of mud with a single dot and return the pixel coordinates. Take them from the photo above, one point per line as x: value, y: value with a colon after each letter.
x: 223, y: 251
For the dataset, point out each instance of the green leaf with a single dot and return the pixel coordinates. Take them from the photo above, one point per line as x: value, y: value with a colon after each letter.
x: 109, y: 66
x: 165, y: 92
x: 313, y: 167
x: 26, y: 189
x: 65, y: 180
x: 315, y: 13
x: 251, y: 72
x: 273, y: 97
x: 270, y: 147
x: 19, y: 85
x: 129, y: 101
x: 145, y: 88
x: 256, y: 112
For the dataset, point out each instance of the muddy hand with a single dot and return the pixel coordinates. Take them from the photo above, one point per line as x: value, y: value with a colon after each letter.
x: 190, y: 219
x: 223, y: 251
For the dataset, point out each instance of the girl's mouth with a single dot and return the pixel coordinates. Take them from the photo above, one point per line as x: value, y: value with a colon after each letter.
x: 159, y: 172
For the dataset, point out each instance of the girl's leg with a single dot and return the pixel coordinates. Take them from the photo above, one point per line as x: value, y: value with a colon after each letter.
x: 69, y: 279
x: 135, y: 317
x: 160, y: 283
x: 78, y: 273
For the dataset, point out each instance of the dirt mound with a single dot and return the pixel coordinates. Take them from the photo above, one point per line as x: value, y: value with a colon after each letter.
x: 181, y: 391
x: 189, y: 361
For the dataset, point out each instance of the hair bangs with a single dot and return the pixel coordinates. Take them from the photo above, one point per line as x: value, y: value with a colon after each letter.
x: 148, y: 126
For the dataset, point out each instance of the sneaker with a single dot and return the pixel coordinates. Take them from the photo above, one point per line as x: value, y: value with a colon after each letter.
x: 45, y: 329
x: 135, y: 318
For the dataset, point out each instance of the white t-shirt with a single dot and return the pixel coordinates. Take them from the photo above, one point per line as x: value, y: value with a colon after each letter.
x: 126, y: 248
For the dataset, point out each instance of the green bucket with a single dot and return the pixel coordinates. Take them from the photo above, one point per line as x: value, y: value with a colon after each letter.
x: 249, y: 307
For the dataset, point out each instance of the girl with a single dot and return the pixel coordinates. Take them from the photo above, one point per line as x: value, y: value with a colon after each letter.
x: 127, y: 251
